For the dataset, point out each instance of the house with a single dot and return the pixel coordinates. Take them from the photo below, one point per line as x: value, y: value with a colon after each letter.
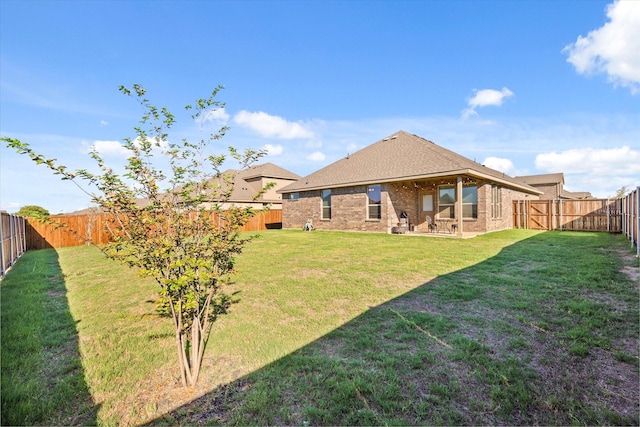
x: 247, y: 183
x: 404, y: 180
x: 552, y: 186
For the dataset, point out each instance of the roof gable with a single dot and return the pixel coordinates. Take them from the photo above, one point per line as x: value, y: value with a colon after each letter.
x: 547, y: 178
x: 401, y: 156
x: 267, y: 170
x: 247, y: 183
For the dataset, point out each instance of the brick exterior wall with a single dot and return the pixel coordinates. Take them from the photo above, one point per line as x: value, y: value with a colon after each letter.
x: 505, y: 220
x: 551, y: 191
x: 349, y: 208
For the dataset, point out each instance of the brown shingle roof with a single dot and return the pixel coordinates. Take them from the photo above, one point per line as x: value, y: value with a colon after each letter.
x: 268, y: 170
x: 247, y: 182
x: 576, y: 195
x: 547, y: 178
x: 401, y: 156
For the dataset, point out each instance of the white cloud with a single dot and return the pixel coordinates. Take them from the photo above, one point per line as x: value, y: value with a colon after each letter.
x: 316, y: 156
x: 272, y: 126
x: 600, y: 171
x: 10, y: 206
x: 613, y: 49
x: 273, y: 150
x: 110, y: 148
x: 103, y: 122
x: 218, y: 115
x: 484, y: 98
x: 116, y: 149
x: 604, y: 161
x: 156, y: 143
x: 502, y: 165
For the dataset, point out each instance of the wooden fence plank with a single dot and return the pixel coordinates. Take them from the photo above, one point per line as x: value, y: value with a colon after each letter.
x: 78, y: 230
x: 576, y: 215
x: 630, y: 217
x: 12, y: 240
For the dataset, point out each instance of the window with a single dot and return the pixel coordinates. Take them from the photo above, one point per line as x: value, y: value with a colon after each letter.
x: 469, y: 201
x: 427, y: 203
x: 374, y: 204
x: 447, y: 201
x: 326, y: 204
x: 496, y: 202
x: 294, y: 196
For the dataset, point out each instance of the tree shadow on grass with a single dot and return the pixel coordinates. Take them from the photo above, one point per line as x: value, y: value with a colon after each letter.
x: 43, y: 380
x: 541, y: 333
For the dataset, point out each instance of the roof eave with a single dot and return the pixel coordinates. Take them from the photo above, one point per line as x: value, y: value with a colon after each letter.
x: 470, y: 172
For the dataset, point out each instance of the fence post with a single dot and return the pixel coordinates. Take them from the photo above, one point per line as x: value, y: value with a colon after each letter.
x: 560, y: 208
x: 2, y: 256
x: 520, y: 215
x: 11, y: 238
x: 23, y: 220
x: 625, y: 214
x: 637, y: 193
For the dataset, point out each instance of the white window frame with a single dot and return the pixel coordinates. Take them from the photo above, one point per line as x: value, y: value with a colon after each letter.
x: 452, y: 206
x: 470, y: 204
x: 325, y: 195
x: 378, y: 204
x: 496, y: 201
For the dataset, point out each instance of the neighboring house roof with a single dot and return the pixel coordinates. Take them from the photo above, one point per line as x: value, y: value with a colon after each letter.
x: 547, y: 178
x: 399, y: 157
x: 554, y: 179
x: 248, y: 182
x: 576, y: 195
x: 85, y: 211
x: 268, y: 170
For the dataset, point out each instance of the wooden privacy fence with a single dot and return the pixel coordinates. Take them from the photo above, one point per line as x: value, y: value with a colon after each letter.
x: 631, y: 217
x: 12, y: 235
x: 575, y: 215
x: 615, y: 216
x: 79, y: 230
x: 65, y: 231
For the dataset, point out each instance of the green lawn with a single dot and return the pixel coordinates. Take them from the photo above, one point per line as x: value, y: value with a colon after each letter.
x: 515, y: 327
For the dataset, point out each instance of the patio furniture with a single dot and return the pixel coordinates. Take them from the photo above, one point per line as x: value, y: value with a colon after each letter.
x: 432, y: 225
x: 444, y: 224
x: 399, y: 230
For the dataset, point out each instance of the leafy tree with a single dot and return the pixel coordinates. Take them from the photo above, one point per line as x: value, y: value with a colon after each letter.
x: 622, y: 191
x: 180, y: 236
x: 33, y: 211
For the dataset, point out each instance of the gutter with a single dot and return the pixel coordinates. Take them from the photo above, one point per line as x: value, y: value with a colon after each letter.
x: 470, y: 172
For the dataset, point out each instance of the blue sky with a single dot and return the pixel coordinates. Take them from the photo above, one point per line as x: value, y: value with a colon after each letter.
x: 526, y: 87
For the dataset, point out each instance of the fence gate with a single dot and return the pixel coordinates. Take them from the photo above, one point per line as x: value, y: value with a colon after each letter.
x: 576, y: 215
x: 539, y: 215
